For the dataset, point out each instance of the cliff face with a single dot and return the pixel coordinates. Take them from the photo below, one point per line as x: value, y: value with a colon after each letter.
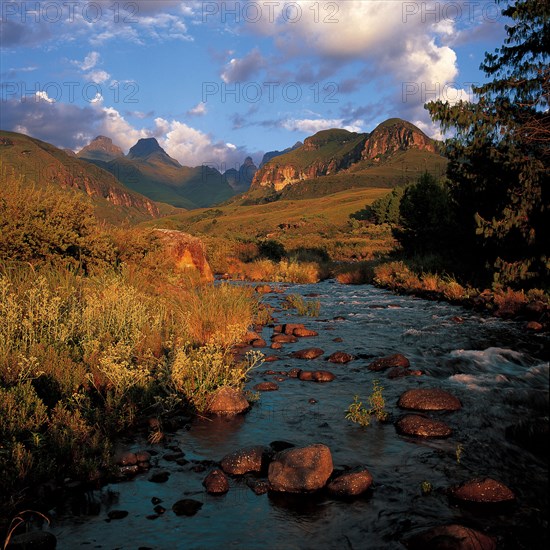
x: 396, y: 135
x: 101, y: 148
x: 325, y: 153
x: 332, y: 151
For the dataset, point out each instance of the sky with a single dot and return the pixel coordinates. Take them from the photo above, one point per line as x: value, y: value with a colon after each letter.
x: 216, y: 81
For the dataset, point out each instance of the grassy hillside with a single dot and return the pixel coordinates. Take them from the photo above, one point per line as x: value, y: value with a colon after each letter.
x: 38, y: 163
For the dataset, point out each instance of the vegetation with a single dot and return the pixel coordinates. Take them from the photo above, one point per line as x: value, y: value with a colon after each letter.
x: 307, y: 308
x: 359, y: 414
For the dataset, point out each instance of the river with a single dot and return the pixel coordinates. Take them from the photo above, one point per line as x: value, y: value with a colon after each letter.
x: 497, y: 369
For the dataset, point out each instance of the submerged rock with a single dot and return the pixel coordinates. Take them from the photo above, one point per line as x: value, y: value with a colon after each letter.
x: 429, y: 399
x: 482, y: 491
x: 350, y: 484
x: 186, y: 507
x: 301, y: 469
x: 303, y: 332
x: 396, y: 360
x: 340, y: 357
x: 422, y: 426
x: 451, y: 537
x: 266, y: 386
x: 308, y: 353
x: 216, y: 483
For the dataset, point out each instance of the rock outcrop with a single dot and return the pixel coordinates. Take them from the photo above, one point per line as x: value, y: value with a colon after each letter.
x: 100, y: 148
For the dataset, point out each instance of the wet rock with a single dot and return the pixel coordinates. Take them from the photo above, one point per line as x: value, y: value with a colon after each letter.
x: 199, y: 468
x: 323, y: 376
x: 143, y: 456
x: 250, y: 337
x: 400, y: 372
x: 276, y: 345
x: 535, y: 309
x: 158, y: 509
x: 305, y: 375
x: 531, y: 434
x: 457, y: 319
x: 350, y: 484
x: 304, y: 333
x: 259, y: 343
x: 129, y: 471
x: 451, y: 537
x: 283, y: 339
x: 270, y: 358
x: 156, y: 500
x: 126, y: 459
x: 429, y: 399
x: 338, y: 340
x: 312, y: 401
x: 482, y: 491
x: 534, y: 326
x: 227, y: 401
x: 301, y: 469
x: 259, y: 487
x: 280, y: 379
x: 294, y: 373
x: 422, y: 426
x: 117, y: 514
x: 186, y: 507
x: 159, y: 477
x: 263, y: 289
x: 308, y: 353
x: 289, y: 328
x: 216, y: 483
x: 395, y: 360
x: 243, y: 461
x: 339, y: 318
x: 340, y: 357
x: 35, y: 540
x: 266, y: 386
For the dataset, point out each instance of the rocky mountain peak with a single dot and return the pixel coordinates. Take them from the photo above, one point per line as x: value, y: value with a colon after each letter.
x: 144, y: 148
x: 101, y: 148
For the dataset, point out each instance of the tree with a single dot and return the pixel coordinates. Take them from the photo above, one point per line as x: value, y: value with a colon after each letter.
x: 425, y: 216
x: 498, y: 156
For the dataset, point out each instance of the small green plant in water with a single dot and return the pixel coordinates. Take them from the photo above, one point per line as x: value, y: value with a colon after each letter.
x: 459, y: 451
x: 426, y: 487
x: 359, y: 414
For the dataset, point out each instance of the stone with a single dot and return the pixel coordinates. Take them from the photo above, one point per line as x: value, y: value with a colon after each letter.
x: 249, y: 337
x: 294, y: 373
x: 422, y: 426
x: 283, y: 339
x: 400, y: 372
x: 396, y: 360
x: 429, y: 399
x: 186, y: 507
x: 266, y: 386
x: 451, y: 537
x: 243, y: 461
x: 308, y: 353
x: 126, y: 459
x: 535, y: 326
x: 340, y: 357
x: 304, y: 333
x: 216, y: 483
x: 301, y: 469
x: 305, y: 375
x: 159, y: 477
x: 482, y: 491
x: 270, y: 358
x: 143, y: 456
x: 350, y: 484
x: 227, y: 401
x: 259, y: 343
x: 323, y: 376
x: 289, y: 328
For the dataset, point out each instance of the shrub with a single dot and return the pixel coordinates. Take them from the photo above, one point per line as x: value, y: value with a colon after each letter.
x: 357, y: 412
x: 307, y: 308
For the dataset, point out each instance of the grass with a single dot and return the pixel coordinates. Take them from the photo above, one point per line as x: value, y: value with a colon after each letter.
x: 361, y: 415
x: 306, y: 308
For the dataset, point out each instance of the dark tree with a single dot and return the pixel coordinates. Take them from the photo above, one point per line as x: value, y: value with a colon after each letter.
x: 498, y: 156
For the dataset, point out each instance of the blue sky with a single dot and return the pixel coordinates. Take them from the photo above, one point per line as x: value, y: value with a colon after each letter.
x: 215, y: 81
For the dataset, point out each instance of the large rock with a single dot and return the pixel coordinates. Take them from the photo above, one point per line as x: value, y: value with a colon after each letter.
x: 187, y: 251
x: 351, y: 484
x: 301, y: 469
x: 227, y: 401
x: 340, y: 357
x: 266, y: 386
x: 482, y: 491
x: 451, y: 537
x: 243, y: 461
x: 396, y: 360
x: 308, y: 353
x: 422, y: 426
x: 305, y: 332
x: 429, y: 399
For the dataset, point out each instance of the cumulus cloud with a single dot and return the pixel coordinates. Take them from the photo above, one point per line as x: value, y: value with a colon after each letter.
x: 90, y: 61
x: 311, y: 126
x: 240, y: 70
x: 199, y: 110
x: 43, y: 96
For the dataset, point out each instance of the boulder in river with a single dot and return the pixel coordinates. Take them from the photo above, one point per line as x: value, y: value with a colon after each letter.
x: 350, y: 484
x: 451, y: 537
x: 308, y: 353
x: 323, y: 376
x: 340, y: 357
x: 216, y: 483
x: 301, y: 469
x: 243, y: 461
x: 227, y: 401
x: 186, y: 507
x: 283, y: 339
x: 429, y: 399
x: 482, y: 491
x: 266, y: 386
x: 422, y: 426
x: 303, y: 332
x: 395, y: 360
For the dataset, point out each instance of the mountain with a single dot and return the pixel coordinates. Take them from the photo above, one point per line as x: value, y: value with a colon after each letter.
x: 40, y: 163
x: 272, y: 154
x: 395, y: 152
x: 101, y: 148
x: 149, y: 170
x: 240, y: 180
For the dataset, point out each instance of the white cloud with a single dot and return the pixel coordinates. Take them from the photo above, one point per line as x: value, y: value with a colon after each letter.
x: 239, y: 70
x: 199, y: 110
x: 312, y: 126
x: 90, y: 61
x: 98, y: 77
x: 43, y: 96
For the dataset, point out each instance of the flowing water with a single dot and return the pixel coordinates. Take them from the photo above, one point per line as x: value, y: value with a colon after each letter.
x: 499, y: 372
